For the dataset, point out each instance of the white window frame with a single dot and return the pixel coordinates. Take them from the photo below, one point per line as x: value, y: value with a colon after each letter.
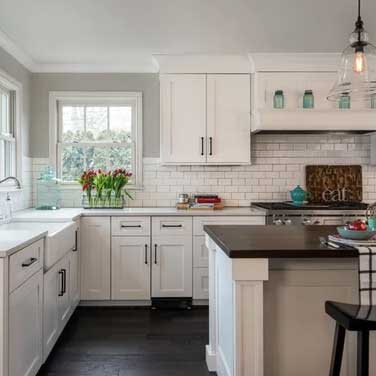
x: 12, y: 85
x: 97, y: 97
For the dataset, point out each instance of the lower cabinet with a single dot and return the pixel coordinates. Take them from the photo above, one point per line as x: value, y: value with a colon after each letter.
x: 25, y: 327
x: 74, y: 280
x: 60, y: 298
x: 131, y: 268
x: 96, y: 258
x: 171, y: 266
x: 200, y: 283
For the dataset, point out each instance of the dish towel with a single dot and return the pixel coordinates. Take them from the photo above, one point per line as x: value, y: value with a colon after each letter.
x: 367, y: 277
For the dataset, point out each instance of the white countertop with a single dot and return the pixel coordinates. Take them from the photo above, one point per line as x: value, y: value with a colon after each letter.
x: 61, y: 215
x: 69, y: 214
x: 17, y: 235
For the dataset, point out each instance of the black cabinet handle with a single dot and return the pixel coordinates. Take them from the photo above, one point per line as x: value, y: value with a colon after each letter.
x: 29, y: 262
x: 155, y: 254
x: 76, y: 242
x: 130, y: 226
x: 146, y: 254
x: 61, y: 273
x: 210, y: 145
x: 202, y: 145
x: 172, y: 226
x: 64, y: 280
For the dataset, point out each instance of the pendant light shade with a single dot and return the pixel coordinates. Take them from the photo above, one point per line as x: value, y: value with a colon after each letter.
x: 357, y: 72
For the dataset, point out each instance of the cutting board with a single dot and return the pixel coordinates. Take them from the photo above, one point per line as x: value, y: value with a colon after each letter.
x: 334, y: 183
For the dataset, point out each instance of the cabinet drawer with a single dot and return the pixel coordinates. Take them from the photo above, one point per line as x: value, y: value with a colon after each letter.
x: 199, y: 222
x: 130, y: 226
x: 200, y: 283
x: 172, y: 226
x: 25, y: 263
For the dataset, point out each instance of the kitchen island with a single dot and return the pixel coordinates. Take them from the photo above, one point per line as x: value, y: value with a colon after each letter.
x: 267, y: 288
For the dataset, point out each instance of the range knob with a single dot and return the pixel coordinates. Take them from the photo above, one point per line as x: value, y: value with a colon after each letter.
x: 306, y: 221
x: 287, y: 221
x: 277, y: 222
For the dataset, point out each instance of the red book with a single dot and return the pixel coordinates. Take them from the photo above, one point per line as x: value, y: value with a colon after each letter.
x: 208, y: 200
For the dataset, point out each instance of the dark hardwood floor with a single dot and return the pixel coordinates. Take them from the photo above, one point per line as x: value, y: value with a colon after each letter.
x: 131, y: 342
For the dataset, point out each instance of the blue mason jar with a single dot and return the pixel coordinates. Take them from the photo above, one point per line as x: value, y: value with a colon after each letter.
x: 344, y: 101
x: 308, y: 100
x: 373, y: 101
x: 278, y: 100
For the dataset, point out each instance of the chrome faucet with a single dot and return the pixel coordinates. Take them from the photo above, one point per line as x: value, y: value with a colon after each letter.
x: 12, y: 178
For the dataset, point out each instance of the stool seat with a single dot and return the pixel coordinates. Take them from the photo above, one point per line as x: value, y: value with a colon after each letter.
x: 352, y: 317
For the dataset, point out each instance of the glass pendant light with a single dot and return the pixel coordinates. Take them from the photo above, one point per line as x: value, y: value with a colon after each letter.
x: 357, y: 72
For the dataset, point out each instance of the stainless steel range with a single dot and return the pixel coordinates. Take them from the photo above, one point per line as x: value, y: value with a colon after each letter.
x: 286, y: 213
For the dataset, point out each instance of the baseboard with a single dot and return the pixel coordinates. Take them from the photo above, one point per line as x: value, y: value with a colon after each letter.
x: 211, y: 359
x: 115, y: 303
x: 130, y: 303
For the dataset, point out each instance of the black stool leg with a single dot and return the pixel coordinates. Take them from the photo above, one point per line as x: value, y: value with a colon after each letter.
x: 363, y: 353
x: 337, y: 352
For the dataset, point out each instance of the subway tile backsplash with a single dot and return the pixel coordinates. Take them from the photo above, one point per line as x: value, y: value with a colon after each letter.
x: 278, y: 164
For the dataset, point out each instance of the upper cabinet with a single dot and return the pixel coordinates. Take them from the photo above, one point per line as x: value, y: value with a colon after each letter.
x: 205, y: 119
x: 183, y: 118
x: 228, y: 119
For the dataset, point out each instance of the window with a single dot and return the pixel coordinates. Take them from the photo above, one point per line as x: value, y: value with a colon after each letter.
x: 7, y: 134
x: 98, y: 130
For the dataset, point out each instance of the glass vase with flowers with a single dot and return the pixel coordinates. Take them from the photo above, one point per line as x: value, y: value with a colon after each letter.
x: 104, y: 189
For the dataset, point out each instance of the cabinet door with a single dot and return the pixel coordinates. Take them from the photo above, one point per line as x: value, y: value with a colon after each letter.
x: 172, y: 266
x: 25, y: 327
x: 228, y: 116
x: 183, y: 118
x: 74, y: 280
x: 95, y: 258
x: 131, y: 268
x: 64, y: 300
x: 51, y: 330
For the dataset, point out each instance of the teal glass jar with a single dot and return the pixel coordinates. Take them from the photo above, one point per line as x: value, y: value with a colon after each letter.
x: 373, y: 101
x: 308, y: 99
x: 344, y: 101
x: 278, y: 100
x: 48, y: 190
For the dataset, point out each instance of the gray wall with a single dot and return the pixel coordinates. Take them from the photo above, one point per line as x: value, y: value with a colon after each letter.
x: 22, y: 75
x: 43, y: 83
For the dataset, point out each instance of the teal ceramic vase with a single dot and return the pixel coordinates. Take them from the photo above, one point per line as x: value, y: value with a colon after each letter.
x: 298, y: 195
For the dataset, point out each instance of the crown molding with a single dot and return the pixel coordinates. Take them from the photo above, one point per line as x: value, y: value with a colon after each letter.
x: 195, y: 63
x: 294, y: 62
x: 141, y: 66
x: 17, y: 52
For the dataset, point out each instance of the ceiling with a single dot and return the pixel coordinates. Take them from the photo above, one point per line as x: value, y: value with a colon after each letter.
x: 123, y: 34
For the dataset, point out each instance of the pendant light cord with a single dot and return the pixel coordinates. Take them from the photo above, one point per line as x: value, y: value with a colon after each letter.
x: 358, y: 9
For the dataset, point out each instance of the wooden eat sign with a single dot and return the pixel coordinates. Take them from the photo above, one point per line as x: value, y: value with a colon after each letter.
x: 330, y: 184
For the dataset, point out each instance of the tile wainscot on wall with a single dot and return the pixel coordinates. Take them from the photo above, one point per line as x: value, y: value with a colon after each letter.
x: 278, y: 165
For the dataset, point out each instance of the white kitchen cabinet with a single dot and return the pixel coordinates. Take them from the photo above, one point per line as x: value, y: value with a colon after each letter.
x: 25, y: 327
x: 95, y: 258
x: 200, y: 252
x: 172, y: 266
x: 228, y: 119
x: 183, y: 118
x: 205, y: 119
x: 74, y: 278
x: 64, y: 301
x: 131, y: 268
x: 58, y: 304
x: 51, y: 327
x: 200, y: 283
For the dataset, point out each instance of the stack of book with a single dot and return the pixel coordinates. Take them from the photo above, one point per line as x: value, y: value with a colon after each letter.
x: 204, y: 202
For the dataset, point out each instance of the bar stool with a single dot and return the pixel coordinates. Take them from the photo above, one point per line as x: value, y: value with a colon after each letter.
x: 358, y: 318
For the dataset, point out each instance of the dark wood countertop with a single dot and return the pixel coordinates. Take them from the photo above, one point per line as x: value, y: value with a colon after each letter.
x: 242, y: 241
